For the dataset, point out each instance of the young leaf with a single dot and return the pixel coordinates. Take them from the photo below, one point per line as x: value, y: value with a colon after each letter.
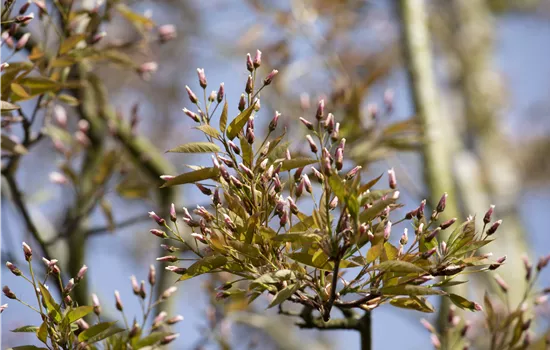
x: 284, y: 294
x: 369, y: 184
x: 27, y: 347
x: 42, y: 333
x: 95, y: 330
x: 11, y: 146
x: 296, y: 163
x: 78, y: 313
x: 51, y: 305
x: 68, y: 99
x: 397, y: 266
x: 204, y: 265
x: 193, y: 176
x: 208, y: 130
x: 223, y: 117
x: 6, y: 106
x: 25, y: 329
x: 196, y: 147
x: 150, y: 340
x: 408, y: 289
x: 462, y: 302
x: 69, y: 43
x: 418, y: 304
x: 238, y: 123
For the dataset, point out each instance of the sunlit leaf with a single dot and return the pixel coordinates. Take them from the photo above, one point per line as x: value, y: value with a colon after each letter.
x: 208, y: 130
x: 462, y: 302
x: 42, y: 333
x: 11, y: 146
x: 134, y: 18
x: 7, y: 106
x: 223, y: 117
x: 204, y: 265
x: 69, y: 43
x: 51, y: 305
x: 398, y: 266
x: 25, y: 329
x: 79, y: 312
x: 239, y: 122
x: 408, y: 289
x: 68, y: 99
x: 150, y: 340
x: 19, y: 90
x: 95, y: 330
x: 196, y: 147
x: 284, y: 294
x: 418, y: 304
x: 193, y: 176
x: 369, y: 184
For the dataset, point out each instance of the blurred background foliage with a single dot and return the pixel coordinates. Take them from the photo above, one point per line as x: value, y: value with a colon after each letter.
x: 488, y: 144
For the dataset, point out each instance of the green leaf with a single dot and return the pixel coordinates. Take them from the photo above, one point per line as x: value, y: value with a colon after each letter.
x: 19, y: 90
x: 398, y: 266
x: 374, y: 252
x: 297, y: 237
x: 25, y: 329
x: 462, y: 302
x: 223, y: 117
x: 275, y: 277
x: 246, y: 150
x: 193, y: 176
x: 238, y: 123
x: 42, y: 333
x: 151, y: 339
x: 68, y: 99
x: 133, y: 17
x: 418, y: 304
x: 11, y: 146
x: 95, y: 330
x: 246, y: 249
x: 369, y: 184
x: 376, y: 209
x: 196, y: 147
x: 40, y: 85
x: 7, y: 106
x: 208, y: 130
x: 409, y: 289
x: 296, y: 163
x: 27, y: 347
x: 78, y: 313
x: 51, y: 305
x: 303, y: 225
x: 204, y: 265
x: 284, y: 294
x: 105, y: 334
x: 69, y: 43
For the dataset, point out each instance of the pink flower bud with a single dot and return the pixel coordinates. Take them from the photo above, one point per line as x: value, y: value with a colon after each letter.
x: 404, y: 237
x: 8, y: 293
x: 174, y: 320
x: 429, y: 253
x: 494, y: 228
x: 478, y: 307
x: 284, y: 219
x: 307, y: 183
x: 447, y: 223
x: 168, y: 258
x: 312, y: 144
x: 292, y: 205
x: 202, y: 78
x: 242, y: 103
x: 3, y: 307
x: 263, y: 164
x: 387, y: 230
x: 96, y: 304
x: 248, y: 87
x: 329, y: 123
x: 320, y: 110
x: 13, y: 269
x: 169, y: 338
x: 24, y: 8
x: 160, y: 221
x: 427, y: 325
x: 488, y: 214
x: 543, y: 262
x: 392, y: 180
x: 420, y: 210
x: 221, y: 93
x: 306, y: 123
x: 152, y: 277
x: 318, y: 175
x: 258, y: 59
x: 333, y: 203
x: 173, y: 216
x: 118, y: 301
x: 236, y: 182
x: 135, y: 285
x: 433, y: 234
x: 192, y: 115
x: 501, y: 283
x: 166, y: 33
x: 97, y: 37
x: 270, y: 77
x: 159, y: 233
x: 146, y: 69
x: 351, y: 174
x: 230, y: 224
x: 4, y: 66
x: 58, y: 178
x: 25, y: 19
x: 81, y: 273
x: 22, y: 41
x: 250, y: 136
x: 335, y: 135
x: 442, y: 203
x: 82, y: 138
x: 249, y: 63
x: 28, y: 251
x: 339, y: 158
x: 168, y: 292
x: 435, y: 341
x: 192, y: 97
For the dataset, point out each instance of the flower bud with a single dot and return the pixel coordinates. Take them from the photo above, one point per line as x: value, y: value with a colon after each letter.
x: 306, y: 123
x: 433, y: 234
x: 204, y: 190
x: 435, y: 341
x: 3, y: 307
x: 501, y: 283
x: 270, y: 77
x: 429, y: 253
x: 118, y: 301
x: 339, y: 158
x: 447, y: 223
x: 250, y: 136
x: 81, y: 273
x: 24, y: 8
x: 202, y: 79
x: 427, y: 325
x: 8, y: 293
x: 167, y: 258
x: 498, y: 262
x: 160, y: 221
x: 221, y: 93
x: 442, y: 203
x: 152, y: 275
x: 135, y: 285
x: 335, y: 135
x: 528, y: 267
x: 300, y: 188
x: 28, y: 251
x: 387, y: 230
x: 329, y: 123
x: 292, y: 205
x: 320, y: 110
x: 168, y: 293
x: 13, y: 269
x: 24, y: 20
x: 249, y: 63
x: 96, y: 304
x: 242, y: 103
x: 97, y: 37
x: 192, y: 97
x: 543, y: 262
x: 236, y: 182
x: 420, y: 210
x: 404, y: 237
x: 166, y: 33
x: 333, y: 203
x: 174, y: 320
x: 274, y: 121
x: 142, y: 292
x: 22, y: 41
x: 234, y: 147
x: 391, y: 178
x: 157, y: 321
x: 192, y: 115
x: 312, y: 144
x: 173, y: 216
x: 351, y: 174
x: 213, y: 96
x: 263, y: 164
x: 443, y: 248
x: 258, y: 59
x: 284, y: 219
x: 488, y: 214
x: 494, y: 228
x: 169, y: 338
x: 318, y: 175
